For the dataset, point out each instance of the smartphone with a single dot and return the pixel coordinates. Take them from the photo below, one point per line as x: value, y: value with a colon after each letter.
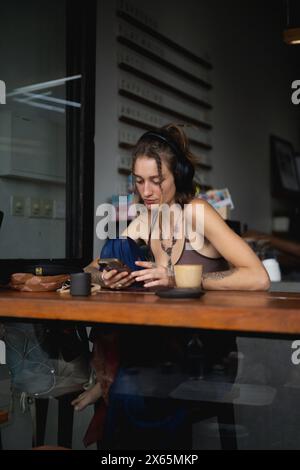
x: 113, y: 263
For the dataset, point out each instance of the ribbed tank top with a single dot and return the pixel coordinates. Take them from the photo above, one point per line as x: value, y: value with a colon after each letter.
x: 190, y: 256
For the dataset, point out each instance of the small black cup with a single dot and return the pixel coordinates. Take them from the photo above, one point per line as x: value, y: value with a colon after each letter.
x: 81, y: 284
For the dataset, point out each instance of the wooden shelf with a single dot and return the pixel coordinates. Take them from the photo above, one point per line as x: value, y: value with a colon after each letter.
x: 147, y: 127
x: 171, y: 70
x: 173, y: 45
x: 125, y: 146
x: 135, y: 123
x: 163, y: 109
x: 124, y: 171
x: 200, y: 144
x: 140, y: 50
x: 165, y: 86
x: 204, y: 166
x: 204, y: 187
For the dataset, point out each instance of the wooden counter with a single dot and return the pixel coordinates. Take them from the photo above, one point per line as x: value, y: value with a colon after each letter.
x: 265, y: 312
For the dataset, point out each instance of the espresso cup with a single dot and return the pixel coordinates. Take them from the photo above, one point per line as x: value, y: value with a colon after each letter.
x: 188, y: 275
x: 80, y: 284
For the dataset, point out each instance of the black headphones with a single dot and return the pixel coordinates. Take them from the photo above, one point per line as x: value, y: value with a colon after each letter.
x: 184, y: 170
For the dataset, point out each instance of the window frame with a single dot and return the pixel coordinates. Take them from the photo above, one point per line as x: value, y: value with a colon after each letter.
x: 80, y: 153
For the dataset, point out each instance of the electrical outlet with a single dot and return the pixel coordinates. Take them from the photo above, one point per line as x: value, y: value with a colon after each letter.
x: 34, y: 207
x: 47, y: 208
x: 17, y: 206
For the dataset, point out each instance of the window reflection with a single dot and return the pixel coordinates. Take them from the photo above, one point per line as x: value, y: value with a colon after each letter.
x: 33, y: 125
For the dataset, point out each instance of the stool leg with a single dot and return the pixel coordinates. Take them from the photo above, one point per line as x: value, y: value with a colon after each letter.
x: 226, y: 416
x: 65, y: 420
x: 41, y: 419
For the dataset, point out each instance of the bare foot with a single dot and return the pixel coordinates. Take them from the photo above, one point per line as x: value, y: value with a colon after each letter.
x: 87, y: 398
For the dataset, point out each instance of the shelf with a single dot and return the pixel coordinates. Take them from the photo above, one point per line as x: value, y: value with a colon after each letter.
x: 124, y: 171
x: 173, y: 45
x: 125, y: 146
x: 165, y: 86
x: 147, y: 127
x: 135, y: 47
x: 204, y: 187
x: 34, y: 178
x: 204, y: 166
x: 180, y: 91
x: 200, y: 144
x: 163, y: 109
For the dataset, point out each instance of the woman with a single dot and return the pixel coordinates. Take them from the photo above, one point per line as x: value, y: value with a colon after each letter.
x: 163, y: 169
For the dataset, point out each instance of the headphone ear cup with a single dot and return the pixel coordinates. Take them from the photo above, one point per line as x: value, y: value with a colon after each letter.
x: 184, y: 175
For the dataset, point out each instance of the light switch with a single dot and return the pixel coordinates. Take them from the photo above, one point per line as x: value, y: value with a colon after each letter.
x: 35, y: 207
x: 47, y: 208
x: 17, y: 206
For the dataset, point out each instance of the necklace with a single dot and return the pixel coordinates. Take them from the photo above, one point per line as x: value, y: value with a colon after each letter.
x: 168, y: 249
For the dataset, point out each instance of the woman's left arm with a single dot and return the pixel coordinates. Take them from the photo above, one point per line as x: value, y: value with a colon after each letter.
x: 247, y: 272
x: 152, y: 275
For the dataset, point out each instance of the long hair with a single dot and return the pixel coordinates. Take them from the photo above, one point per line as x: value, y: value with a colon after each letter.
x: 161, y: 151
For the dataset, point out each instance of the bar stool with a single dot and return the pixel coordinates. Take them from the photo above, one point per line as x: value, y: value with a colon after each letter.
x: 65, y: 420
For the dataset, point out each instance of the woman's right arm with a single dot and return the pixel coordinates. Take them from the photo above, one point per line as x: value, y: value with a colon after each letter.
x: 110, y: 279
x: 93, y: 269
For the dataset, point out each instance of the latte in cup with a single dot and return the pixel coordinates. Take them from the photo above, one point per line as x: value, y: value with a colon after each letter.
x: 188, y: 275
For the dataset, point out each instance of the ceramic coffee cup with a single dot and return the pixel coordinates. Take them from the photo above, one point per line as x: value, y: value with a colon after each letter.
x: 80, y: 284
x: 273, y: 269
x: 188, y: 275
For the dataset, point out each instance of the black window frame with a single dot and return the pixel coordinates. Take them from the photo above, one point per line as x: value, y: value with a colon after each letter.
x: 80, y: 153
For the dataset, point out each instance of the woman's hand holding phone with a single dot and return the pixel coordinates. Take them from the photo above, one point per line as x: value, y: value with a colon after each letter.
x: 116, y: 280
x: 115, y: 274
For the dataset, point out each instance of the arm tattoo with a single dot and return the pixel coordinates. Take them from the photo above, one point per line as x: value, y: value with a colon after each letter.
x: 218, y: 275
x: 96, y: 275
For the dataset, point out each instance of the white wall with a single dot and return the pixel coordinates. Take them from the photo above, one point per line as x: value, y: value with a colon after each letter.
x: 253, y: 71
